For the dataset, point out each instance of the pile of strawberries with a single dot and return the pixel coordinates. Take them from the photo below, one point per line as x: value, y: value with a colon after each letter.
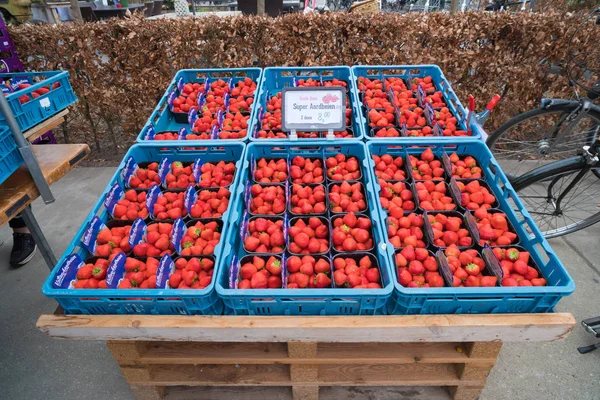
x: 210, y: 203
x: 216, y: 175
x: 342, y: 168
x: 351, y: 233
x: 145, y: 178
x: 139, y: 274
x: 257, y: 272
x: 516, y: 269
x: 307, y: 199
x: 169, y: 205
x: 35, y: 93
x: 200, y: 239
x: 350, y: 274
x: 308, y: 236
x: 389, y: 168
x: 264, y: 236
x: 308, y: 272
x: 475, y: 195
x: 464, y: 168
x: 448, y: 230
x: 180, y: 175
x: 406, y: 231
x: 396, y: 195
x: 306, y: 170
x: 417, y: 268
x: 347, y: 197
x: 192, y: 273
x: 267, y: 199
x: 92, y: 276
x: 113, y: 241
x: 158, y: 241
x: 271, y: 170
x: 427, y: 167
x: 494, y: 228
x: 467, y: 268
x: 131, y: 207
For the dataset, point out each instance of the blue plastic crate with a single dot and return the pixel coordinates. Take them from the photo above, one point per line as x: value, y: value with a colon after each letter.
x: 333, y: 301
x: 10, y: 156
x: 276, y: 78
x: 163, y: 120
x: 38, y: 109
x: 481, y: 300
x: 146, y: 301
x: 404, y: 71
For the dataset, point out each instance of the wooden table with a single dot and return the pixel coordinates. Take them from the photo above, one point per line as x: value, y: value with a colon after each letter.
x: 19, y: 190
x: 175, y: 356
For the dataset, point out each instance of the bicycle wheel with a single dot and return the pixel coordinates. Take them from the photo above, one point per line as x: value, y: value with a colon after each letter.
x: 529, y: 140
x: 579, y: 207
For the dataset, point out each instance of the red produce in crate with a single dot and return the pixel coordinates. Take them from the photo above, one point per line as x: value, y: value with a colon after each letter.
x: 417, y: 268
x: 389, y: 168
x: 218, y: 88
x: 381, y: 118
x: 423, y: 132
x: 236, y: 134
x: 271, y: 170
x: 449, y: 230
x: 432, y: 196
x: 139, y: 274
x: 405, y: 100
x: 342, y: 168
x: 180, y: 175
x: 351, y: 233
x: 494, y: 228
x: 210, y: 203
x: 267, y: 200
x: 272, y: 118
x: 396, y: 84
x: 203, y: 126
x: 260, y: 273
x: 448, y: 123
x: 235, y: 122
x: 467, y: 268
x: 265, y: 236
x: 144, y: 178
x: 245, y: 87
x: 240, y: 104
x: 436, y: 100
x: 113, y: 241
x: 200, y: 239
x: 308, y: 238
x: 350, y: 274
x: 158, y: 241
x: 396, y: 197
x: 387, y: 132
x: 369, y: 84
x: 475, y: 196
x: 216, y: 175
x: 426, y: 167
x: 347, y: 197
x: 307, y: 199
x: 413, y: 118
x: 267, y: 134
x: 188, y: 97
x: 306, y: 170
x: 425, y: 82
x: 516, y: 269
x: 167, y: 136
x: 170, y: 206
x: 406, y: 231
x: 195, y: 273
x: 308, y: 272
x: 465, y: 168
x: 132, y: 206
x: 92, y: 276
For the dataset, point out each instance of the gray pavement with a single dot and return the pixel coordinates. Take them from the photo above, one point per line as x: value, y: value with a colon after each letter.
x: 36, y: 367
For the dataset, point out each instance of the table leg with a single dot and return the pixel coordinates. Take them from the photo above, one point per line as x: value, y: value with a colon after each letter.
x: 38, y: 237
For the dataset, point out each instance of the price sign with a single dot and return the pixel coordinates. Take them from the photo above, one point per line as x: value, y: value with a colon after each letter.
x: 313, y: 109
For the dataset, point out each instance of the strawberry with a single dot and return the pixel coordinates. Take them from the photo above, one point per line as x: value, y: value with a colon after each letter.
x: 406, y: 231
x: 307, y: 199
x: 351, y: 233
x: 196, y: 273
x: 260, y: 272
x: 306, y: 170
x: 396, y: 197
x: 210, y: 203
x: 516, y: 268
x: 201, y: 238
x: 169, y: 205
x: 145, y: 177
x: 264, y: 236
x: 267, y: 199
x: 350, y: 274
x: 271, y: 171
x: 427, y: 167
x: 340, y: 168
x: 389, y: 168
x: 346, y: 197
x: 434, y: 196
x: 494, y: 228
x: 475, y: 195
x: 132, y: 206
x: 216, y: 175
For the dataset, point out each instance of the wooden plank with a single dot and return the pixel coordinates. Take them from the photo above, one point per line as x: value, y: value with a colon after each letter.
x: 45, y: 126
x: 406, y: 328
x: 325, y: 393
x: 304, y: 373
x: 135, y: 353
x: 483, y: 349
x: 147, y: 392
x: 279, y: 375
x: 19, y: 190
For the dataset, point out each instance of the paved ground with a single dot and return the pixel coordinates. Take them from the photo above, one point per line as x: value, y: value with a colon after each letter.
x: 34, y: 366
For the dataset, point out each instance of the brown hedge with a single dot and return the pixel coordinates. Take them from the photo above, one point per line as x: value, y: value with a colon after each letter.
x: 120, y: 67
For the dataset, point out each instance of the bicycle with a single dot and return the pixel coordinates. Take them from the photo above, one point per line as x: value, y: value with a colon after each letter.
x: 556, y: 165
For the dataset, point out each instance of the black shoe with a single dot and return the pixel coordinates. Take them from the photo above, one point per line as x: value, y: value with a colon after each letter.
x: 23, y: 249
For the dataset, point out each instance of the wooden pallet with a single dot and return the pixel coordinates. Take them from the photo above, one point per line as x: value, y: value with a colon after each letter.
x: 152, y: 368
x: 181, y: 357
x: 45, y: 126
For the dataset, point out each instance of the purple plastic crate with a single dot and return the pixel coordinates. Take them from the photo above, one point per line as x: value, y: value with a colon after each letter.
x: 6, y: 42
x: 12, y: 64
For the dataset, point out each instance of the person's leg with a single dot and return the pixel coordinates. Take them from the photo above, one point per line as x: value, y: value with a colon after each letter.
x: 24, y: 246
